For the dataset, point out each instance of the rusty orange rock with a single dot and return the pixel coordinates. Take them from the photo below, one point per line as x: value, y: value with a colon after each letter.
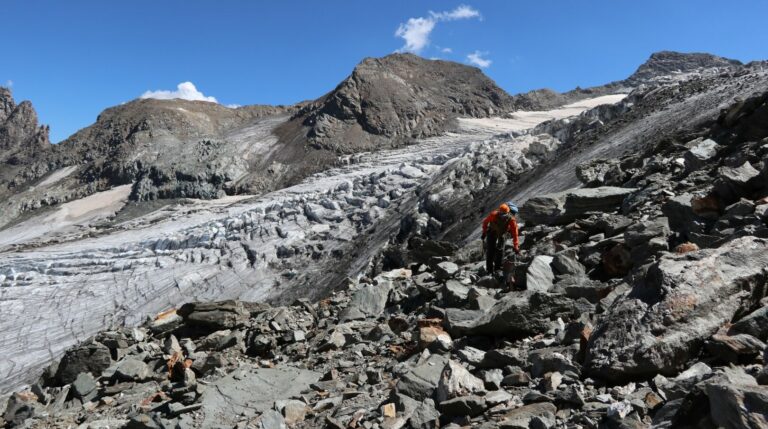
x: 686, y: 247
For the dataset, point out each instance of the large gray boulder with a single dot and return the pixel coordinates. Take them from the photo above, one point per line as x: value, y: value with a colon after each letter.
x: 683, y: 300
x: 564, y: 207
x: 92, y: 358
x: 214, y: 316
x: 522, y: 314
x: 736, y: 400
x: 735, y: 182
x: 689, y: 214
x: 422, y: 381
x: 700, y: 153
x: 249, y: 391
x: 368, y: 301
x: 540, y: 277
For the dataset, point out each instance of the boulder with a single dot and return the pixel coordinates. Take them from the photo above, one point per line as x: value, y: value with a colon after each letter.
x: 543, y: 210
x: 733, y: 183
x: 458, y: 321
x: 455, y: 293
x: 617, y: 260
x: 432, y: 336
x: 368, y: 301
x: 734, y: 348
x: 499, y: 358
x: 248, y: 391
x: 543, y: 413
x: 647, y: 237
x: 20, y: 407
x: 421, y: 250
x: 540, y: 277
x: 425, y: 416
x: 93, y: 358
x: 603, y: 199
x: 755, y: 324
x: 737, y: 401
x: 293, y: 411
x: 551, y: 360
x: 665, y: 319
x: 214, y: 316
x: 565, y: 207
x: 471, y: 405
x: 567, y: 263
x: 132, y: 369
x: 420, y: 383
x: 699, y: 154
x: 446, y: 270
x: 84, y: 384
x: 457, y: 381
x: 690, y: 215
x: 576, y: 287
x: 522, y: 314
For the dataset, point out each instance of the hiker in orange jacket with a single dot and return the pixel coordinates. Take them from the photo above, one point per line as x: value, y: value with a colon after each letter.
x: 501, y: 221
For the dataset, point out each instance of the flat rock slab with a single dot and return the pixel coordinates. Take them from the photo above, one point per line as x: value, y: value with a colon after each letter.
x: 249, y: 391
x: 564, y: 207
x: 368, y: 301
x: 521, y: 314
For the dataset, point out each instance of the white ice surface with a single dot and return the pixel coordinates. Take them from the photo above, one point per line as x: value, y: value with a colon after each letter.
x: 522, y: 120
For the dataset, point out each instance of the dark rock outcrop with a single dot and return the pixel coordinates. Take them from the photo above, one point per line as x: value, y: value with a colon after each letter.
x: 666, y: 318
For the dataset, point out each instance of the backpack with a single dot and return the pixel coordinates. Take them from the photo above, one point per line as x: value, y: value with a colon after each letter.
x: 499, y: 223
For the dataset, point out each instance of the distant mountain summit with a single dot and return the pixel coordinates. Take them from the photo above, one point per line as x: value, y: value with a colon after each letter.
x: 666, y: 63
x: 389, y: 100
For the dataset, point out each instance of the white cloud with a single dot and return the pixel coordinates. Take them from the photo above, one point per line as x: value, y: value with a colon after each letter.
x: 8, y: 83
x: 477, y: 59
x: 184, y: 91
x: 461, y: 12
x: 234, y: 106
x: 416, y: 31
x: 446, y: 50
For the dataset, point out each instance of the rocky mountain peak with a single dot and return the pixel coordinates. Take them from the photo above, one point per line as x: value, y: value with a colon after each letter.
x: 397, y: 98
x: 18, y: 125
x: 666, y: 63
x: 7, y: 104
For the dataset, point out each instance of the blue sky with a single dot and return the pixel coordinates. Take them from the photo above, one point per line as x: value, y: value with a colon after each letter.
x: 74, y: 58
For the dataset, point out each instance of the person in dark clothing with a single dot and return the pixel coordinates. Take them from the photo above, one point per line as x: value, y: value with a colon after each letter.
x: 500, y: 222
